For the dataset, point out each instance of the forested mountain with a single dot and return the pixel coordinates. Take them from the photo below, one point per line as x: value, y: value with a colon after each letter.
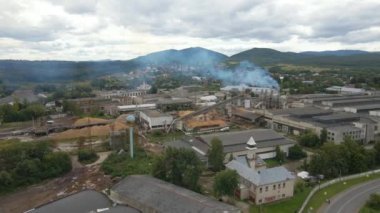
x: 43, y: 71
x: 188, y: 56
x: 339, y: 58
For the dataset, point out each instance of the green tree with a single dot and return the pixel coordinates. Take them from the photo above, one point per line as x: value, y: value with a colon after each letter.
x: 280, y: 155
x: 55, y: 164
x: 216, y: 155
x: 323, y: 136
x: 29, y: 171
x: 70, y: 107
x: 181, y: 167
x: 5, y: 180
x: 29, y: 163
x: 225, y: 183
x: 309, y: 139
x: 87, y: 156
x: 296, y: 152
x: 376, y: 147
x: 355, y: 155
x: 337, y: 160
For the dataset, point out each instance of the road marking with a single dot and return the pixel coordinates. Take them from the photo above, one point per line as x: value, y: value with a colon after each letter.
x: 357, y: 195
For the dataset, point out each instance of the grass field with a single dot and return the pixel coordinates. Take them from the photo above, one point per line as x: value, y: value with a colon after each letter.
x: 16, y: 125
x: 286, y: 206
x: 122, y: 165
x: 366, y: 209
x: 327, y: 193
x: 158, y: 137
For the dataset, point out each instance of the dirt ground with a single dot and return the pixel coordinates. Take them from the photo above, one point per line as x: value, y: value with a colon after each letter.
x: 79, y: 178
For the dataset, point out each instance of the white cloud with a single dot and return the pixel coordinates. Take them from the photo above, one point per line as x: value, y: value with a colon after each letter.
x: 123, y: 29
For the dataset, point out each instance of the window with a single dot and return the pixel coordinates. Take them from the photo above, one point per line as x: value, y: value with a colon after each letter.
x: 261, y: 189
x: 283, y: 185
x: 260, y: 201
x: 283, y: 195
x: 279, y: 186
x: 266, y: 188
x: 274, y: 187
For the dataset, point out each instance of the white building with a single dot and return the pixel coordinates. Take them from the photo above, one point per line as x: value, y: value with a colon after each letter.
x: 345, y: 90
x: 135, y: 107
x: 153, y: 120
x: 255, y: 90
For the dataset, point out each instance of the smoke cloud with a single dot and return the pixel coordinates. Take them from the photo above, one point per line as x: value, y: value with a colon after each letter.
x: 245, y: 73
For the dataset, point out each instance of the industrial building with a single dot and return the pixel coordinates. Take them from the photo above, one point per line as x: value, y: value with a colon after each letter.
x: 338, y: 124
x: 119, y: 93
x: 363, y: 108
x: 234, y: 143
x: 199, y: 126
x: 154, y: 120
x: 256, y: 90
x: 174, y: 104
x: 345, y: 90
x: 247, y: 116
x: 150, y: 195
x: 84, y: 201
x: 135, y: 107
x: 90, y: 105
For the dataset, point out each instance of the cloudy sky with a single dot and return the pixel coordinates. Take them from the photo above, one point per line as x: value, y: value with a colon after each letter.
x: 123, y: 29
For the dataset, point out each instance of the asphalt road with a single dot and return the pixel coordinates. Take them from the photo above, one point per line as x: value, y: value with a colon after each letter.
x: 353, y: 199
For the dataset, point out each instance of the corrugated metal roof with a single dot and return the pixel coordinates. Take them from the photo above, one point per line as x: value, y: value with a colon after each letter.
x: 166, y: 197
x: 263, y: 137
x: 84, y: 201
x: 262, y: 177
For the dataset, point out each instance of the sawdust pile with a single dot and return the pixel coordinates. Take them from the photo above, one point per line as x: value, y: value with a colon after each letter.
x: 94, y: 131
x: 89, y: 121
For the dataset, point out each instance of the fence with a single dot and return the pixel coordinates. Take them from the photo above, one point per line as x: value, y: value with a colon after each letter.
x: 336, y: 180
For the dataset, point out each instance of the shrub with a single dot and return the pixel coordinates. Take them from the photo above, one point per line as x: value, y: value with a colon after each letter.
x: 296, y: 153
x: 374, y: 202
x: 87, y: 156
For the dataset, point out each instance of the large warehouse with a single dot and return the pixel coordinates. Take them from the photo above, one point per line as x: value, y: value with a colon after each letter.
x: 235, y: 143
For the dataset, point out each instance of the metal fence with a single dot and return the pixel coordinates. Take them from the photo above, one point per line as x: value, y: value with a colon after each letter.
x: 336, y: 180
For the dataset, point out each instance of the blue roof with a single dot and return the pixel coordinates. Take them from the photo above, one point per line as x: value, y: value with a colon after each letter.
x: 262, y: 177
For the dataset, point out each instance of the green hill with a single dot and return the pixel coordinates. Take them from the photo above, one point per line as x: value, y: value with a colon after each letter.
x: 340, y: 58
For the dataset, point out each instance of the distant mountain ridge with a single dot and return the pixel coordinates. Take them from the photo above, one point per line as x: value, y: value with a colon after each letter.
x: 188, y: 56
x: 42, y: 71
x: 342, y: 58
x: 336, y: 52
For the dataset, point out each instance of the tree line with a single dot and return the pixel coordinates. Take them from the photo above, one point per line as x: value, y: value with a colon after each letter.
x: 21, y: 111
x: 23, y: 164
x: 349, y: 157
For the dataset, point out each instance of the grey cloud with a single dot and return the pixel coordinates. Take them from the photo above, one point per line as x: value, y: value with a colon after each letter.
x: 77, y: 7
x: 88, y: 23
x: 46, y: 30
x: 263, y: 20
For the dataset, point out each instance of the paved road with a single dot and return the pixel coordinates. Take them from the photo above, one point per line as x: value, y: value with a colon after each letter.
x: 352, y: 200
